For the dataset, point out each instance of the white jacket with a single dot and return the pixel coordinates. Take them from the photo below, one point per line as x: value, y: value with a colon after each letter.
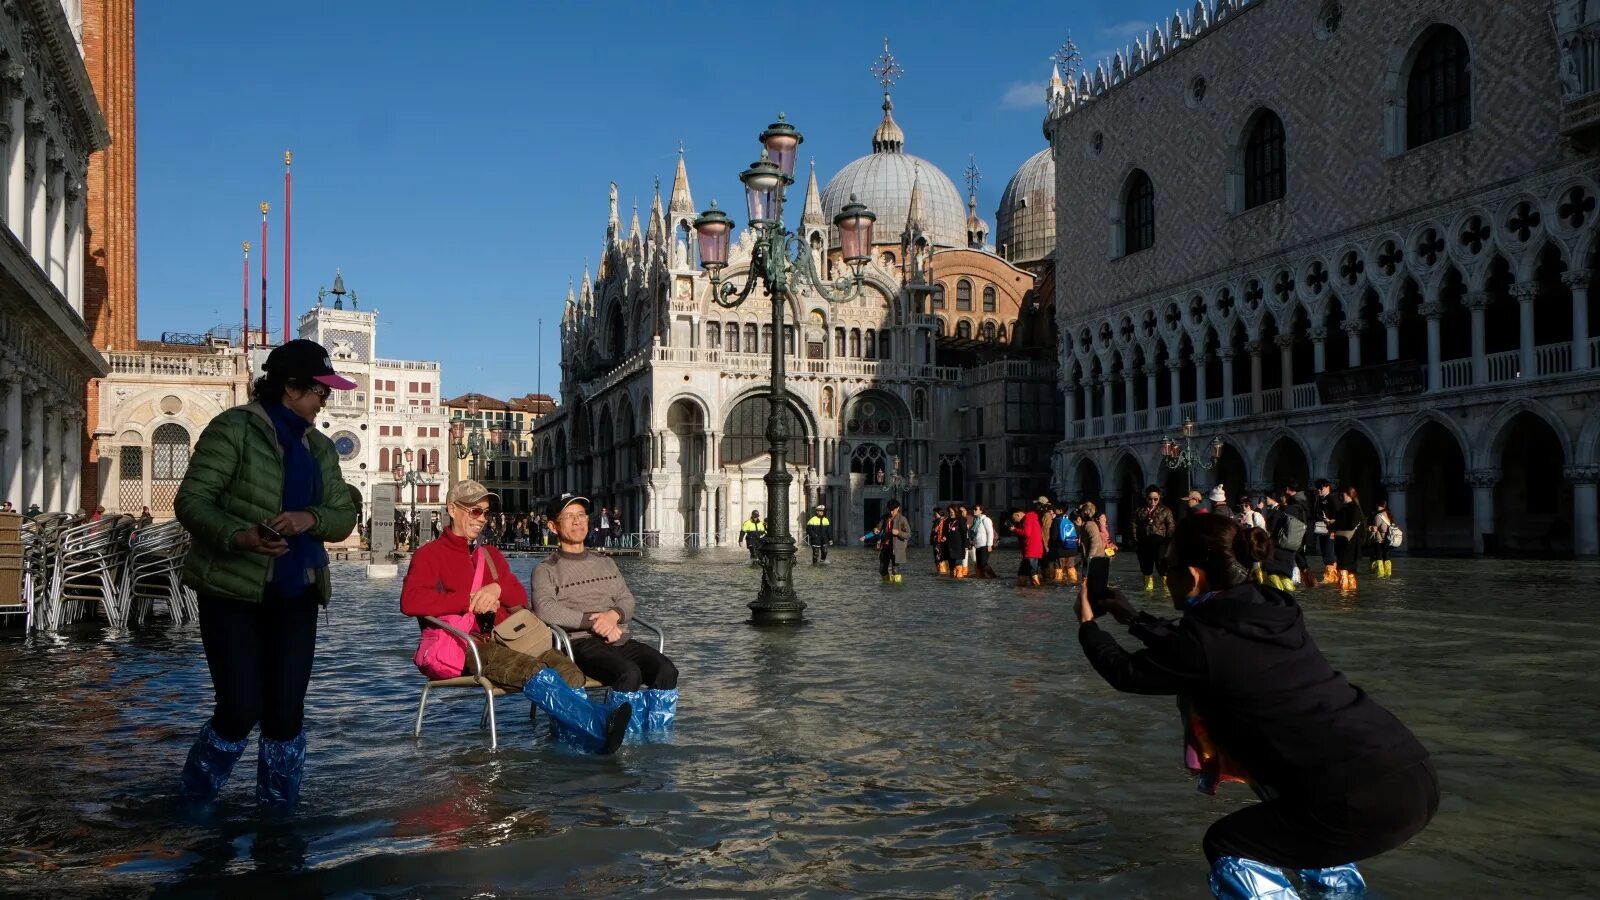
x: 983, y: 531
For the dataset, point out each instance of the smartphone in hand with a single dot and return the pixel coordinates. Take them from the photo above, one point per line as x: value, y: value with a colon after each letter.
x: 268, y: 533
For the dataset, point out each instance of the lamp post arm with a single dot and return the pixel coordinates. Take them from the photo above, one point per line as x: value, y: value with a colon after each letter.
x: 803, y: 271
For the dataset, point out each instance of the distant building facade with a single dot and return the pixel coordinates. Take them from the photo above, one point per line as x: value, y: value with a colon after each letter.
x: 1364, y: 255
x: 504, y: 460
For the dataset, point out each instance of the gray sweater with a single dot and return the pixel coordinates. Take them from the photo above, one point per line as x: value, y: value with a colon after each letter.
x: 569, y: 589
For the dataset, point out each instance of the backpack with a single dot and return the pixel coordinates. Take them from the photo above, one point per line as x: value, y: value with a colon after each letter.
x: 1066, y: 533
x: 1294, y: 532
x: 1396, y: 536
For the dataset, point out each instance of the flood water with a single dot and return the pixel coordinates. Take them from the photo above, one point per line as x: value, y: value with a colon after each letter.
x: 936, y: 738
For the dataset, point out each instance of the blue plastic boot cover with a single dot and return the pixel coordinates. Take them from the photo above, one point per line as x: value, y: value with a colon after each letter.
x: 1237, y: 878
x: 279, y: 770
x: 210, y: 763
x: 635, y: 700
x: 661, y: 707
x: 1337, y: 881
x: 578, y: 721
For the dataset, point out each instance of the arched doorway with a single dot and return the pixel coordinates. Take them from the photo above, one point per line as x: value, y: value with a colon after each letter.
x: 1438, y: 501
x: 1128, y: 476
x: 1355, y: 461
x: 1088, y: 482
x: 1287, y: 464
x: 744, y: 450
x: 1231, y: 472
x: 684, y: 453
x: 1532, y: 500
x: 169, y: 460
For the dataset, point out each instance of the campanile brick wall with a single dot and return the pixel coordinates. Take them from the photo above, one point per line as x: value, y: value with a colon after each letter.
x: 110, y: 297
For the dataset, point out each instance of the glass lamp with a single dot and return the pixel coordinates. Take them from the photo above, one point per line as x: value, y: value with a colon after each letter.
x: 1188, y: 428
x: 762, y: 183
x: 855, y: 232
x: 399, y: 472
x: 713, y: 226
x: 781, y: 140
x: 457, y: 432
x: 1216, y: 448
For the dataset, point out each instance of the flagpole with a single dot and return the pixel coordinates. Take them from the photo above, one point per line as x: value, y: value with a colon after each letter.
x: 287, y: 158
x: 245, y: 341
x: 264, y: 208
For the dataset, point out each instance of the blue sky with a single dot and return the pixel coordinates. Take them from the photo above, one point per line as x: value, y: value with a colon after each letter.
x: 454, y: 159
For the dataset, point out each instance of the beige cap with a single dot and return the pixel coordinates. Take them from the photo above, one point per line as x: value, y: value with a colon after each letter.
x: 468, y: 492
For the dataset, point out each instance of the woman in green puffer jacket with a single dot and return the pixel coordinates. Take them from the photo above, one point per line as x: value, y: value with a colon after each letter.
x: 262, y: 493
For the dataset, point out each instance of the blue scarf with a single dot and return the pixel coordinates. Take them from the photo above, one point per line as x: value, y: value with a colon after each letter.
x: 302, y: 489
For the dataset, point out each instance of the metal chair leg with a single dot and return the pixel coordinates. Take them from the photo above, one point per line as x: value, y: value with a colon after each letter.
x: 420, y: 707
x: 488, y: 699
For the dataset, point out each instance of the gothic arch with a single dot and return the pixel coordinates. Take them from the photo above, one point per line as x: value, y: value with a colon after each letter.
x: 701, y: 404
x: 1400, y: 461
x: 1396, y: 79
x: 1490, y: 445
x: 1587, y: 451
x: 1269, y: 443
x: 1323, y: 462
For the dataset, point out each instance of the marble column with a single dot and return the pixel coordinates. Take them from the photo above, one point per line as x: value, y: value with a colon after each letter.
x: 1069, y: 393
x: 1108, y: 505
x: 1432, y: 311
x: 1526, y: 293
x: 1391, y: 325
x: 1578, y: 283
x: 75, y: 227
x: 1286, y: 360
x: 1227, y: 382
x: 1150, y: 396
x: 1128, y: 412
x: 1174, y: 368
x: 1477, y: 302
x: 1200, y: 391
x: 16, y: 160
x: 1396, y: 486
x: 1255, y: 376
x: 1352, y: 335
x: 72, y: 462
x: 56, y: 223
x: 38, y: 174
x: 33, y: 458
x: 11, y: 382
x: 1585, y: 516
x: 1319, y: 349
x: 1482, y: 482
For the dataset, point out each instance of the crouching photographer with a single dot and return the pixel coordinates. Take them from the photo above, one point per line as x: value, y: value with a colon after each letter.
x: 1339, y: 777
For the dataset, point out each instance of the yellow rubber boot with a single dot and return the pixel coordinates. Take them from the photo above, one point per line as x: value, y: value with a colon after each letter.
x: 1330, y: 575
x: 1376, y: 568
x: 1072, y: 574
x: 1149, y: 583
x: 941, y: 568
x: 1388, y: 568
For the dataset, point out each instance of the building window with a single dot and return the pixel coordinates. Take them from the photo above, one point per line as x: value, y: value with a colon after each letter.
x: 855, y: 343
x: 964, y: 295
x: 1264, y: 160
x: 744, y: 436
x: 988, y: 298
x: 733, y: 337
x: 1439, y: 88
x: 169, y: 452
x: 988, y: 330
x: 871, y: 349
x: 1138, y: 213
x: 750, y: 341
x: 883, y: 345
x: 714, y: 335
x: 766, y: 339
x: 964, y: 329
x: 838, y: 342
x: 427, y: 387
x: 938, y: 296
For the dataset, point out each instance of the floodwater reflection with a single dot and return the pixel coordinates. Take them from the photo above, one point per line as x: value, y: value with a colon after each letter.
x: 936, y: 738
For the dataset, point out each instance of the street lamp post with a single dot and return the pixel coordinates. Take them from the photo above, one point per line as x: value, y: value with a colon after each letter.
x: 477, y: 443
x: 405, y: 477
x: 781, y: 262
x: 1185, y: 457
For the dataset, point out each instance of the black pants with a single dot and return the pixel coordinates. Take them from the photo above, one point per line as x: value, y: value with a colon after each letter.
x: 1330, y: 828
x: 886, y: 563
x: 752, y: 544
x: 628, y: 666
x: 1380, y: 549
x: 982, y: 563
x: 260, y: 658
x: 1347, y: 551
x: 1150, y: 549
x: 819, y: 551
x: 1325, y: 549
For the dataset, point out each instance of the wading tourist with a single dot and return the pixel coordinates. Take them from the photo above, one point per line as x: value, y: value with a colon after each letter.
x: 983, y: 541
x: 261, y: 496
x: 1152, y: 526
x: 1349, y: 527
x: 583, y: 592
x: 470, y: 588
x: 954, y: 541
x: 1341, y: 778
x: 1096, y: 548
x: 1323, y: 506
x: 1386, y: 536
x: 1030, y: 541
x: 750, y: 533
x: 936, y: 541
x: 893, y: 535
x: 1061, y: 545
x: 819, y: 534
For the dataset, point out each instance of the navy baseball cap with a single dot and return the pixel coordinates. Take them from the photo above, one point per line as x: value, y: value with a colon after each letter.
x: 307, y: 361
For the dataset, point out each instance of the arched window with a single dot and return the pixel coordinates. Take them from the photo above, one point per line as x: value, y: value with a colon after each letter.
x: 788, y: 340
x: 713, y: 335
x: 1438, y: 88
x: 988, y: 330
x: 751, y: 344
x: 733, y: 337
x: 988, y: 298
x: 938, y: 325
x: 964, y: 328
x: 938, y: 296
x: 855, y: 343
x: 838, y: 342
x: 169, y: 460
x: 867, y: 459
x: 766, y: 339
x: 383, y: 459
x: 744, y: 436
x: 1138, y: 213
x: 883, y: 345
x: 964, y: 295
x: 919, y: 404
x: 1264, y: 160
x: 871, y: 349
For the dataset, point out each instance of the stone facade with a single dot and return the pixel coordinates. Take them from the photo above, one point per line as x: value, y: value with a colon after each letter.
x: 50, y: 124
x: 1461, y: 263
x: 507, y: 468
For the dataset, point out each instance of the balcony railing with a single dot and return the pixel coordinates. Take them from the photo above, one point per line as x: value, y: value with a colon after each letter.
x: 1214, y: 409
x: 760, y: 363
x: 1272, y: 400
x: 1186, y: 411
x: 420, y: 365
x: 1594, y: 353
x: 1552, y: 359
x: 176, y: 365
x: 1455, y: 373
x: 1305, y: 396
x: 1504, y: 366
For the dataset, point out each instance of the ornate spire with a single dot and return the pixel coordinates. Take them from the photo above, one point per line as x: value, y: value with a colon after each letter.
x: 613, y: 221
x: 586, y: 292
x: 658, y: 219
x: 811, y: 216
x: 570, y: 311
x: 888, y: 138
x: 681, y: 204
x: 633, y: 227
x: 977, y: 228
x: 914, y: 212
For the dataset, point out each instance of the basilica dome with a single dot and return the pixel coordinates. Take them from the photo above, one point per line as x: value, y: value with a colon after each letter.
x: 883, y: 180
x: 1025, y: 223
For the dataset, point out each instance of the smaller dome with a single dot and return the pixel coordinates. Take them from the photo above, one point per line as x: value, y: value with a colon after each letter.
x: 1025, y: 223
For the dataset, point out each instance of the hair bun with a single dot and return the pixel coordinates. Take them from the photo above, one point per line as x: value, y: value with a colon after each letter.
x: 1253, y: 545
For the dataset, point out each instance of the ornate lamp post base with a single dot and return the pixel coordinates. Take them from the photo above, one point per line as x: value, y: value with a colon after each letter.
x: 777, y: 603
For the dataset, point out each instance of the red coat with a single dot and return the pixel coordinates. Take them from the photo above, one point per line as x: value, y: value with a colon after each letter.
x: 1030, y: 534
x: 440, y: 579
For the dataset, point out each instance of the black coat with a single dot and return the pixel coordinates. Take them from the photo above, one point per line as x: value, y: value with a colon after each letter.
x: 1269, y: 697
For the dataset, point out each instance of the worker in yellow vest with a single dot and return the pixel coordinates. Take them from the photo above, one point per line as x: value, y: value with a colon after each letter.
x: 819, y: 534
x: 751, y: 533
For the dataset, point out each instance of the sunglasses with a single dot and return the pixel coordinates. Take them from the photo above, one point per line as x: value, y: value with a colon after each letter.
x: 473, y: 512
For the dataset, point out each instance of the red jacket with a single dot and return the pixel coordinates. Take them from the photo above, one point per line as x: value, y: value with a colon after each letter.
x: 440, y: 579
x: 1030, y: 534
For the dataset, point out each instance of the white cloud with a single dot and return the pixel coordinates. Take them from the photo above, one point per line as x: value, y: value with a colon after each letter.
x: 1023, y: 95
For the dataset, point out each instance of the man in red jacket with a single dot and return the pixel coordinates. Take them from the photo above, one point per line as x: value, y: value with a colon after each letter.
x: 1030, y: 540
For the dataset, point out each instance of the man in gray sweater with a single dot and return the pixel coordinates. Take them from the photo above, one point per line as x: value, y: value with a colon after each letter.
x: 581, y: 591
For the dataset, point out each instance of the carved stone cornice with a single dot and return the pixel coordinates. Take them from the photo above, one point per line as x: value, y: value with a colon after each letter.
x: 1575, y: 280
x: 1483, y: 478
x: 1284, y: 341
x: 1353, y: 328
x: 1432, y: 310
x: 1318, y: 334
x: 1526, y: 291
x: 1582, y: 474
x: 1477, y: 300
x: 1392, y: 318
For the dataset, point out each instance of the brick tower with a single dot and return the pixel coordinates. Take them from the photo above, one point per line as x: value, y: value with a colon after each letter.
x: 110, y: 301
